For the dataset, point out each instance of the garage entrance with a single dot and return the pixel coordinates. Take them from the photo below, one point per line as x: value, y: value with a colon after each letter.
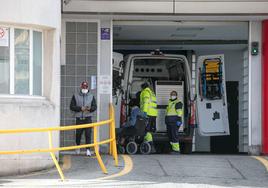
x: 194, y: 39
x: 228, y: 144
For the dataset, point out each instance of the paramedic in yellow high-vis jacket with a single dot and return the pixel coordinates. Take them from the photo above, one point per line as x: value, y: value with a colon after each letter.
x: 173, y: 119
x: 148, y: 106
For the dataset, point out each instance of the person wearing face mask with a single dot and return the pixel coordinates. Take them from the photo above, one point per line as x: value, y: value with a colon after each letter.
x: 83, y: 104
x: 173, y: 120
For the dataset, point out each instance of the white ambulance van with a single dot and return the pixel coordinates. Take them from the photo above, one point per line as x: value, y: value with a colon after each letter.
x: 202, y: 91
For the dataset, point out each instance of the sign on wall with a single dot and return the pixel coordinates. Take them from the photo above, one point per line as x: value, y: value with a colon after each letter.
x: 105, y: 84
x: 105, y: 33
x: 4, y: 36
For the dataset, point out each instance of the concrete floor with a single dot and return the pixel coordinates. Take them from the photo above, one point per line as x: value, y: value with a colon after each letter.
x: 196, y: 170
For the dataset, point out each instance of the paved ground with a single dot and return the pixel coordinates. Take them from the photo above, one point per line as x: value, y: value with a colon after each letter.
x: 208, y: 171
x: 199, y: 170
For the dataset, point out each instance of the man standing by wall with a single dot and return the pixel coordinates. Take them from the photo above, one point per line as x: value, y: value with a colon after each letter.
x: 83, y: 104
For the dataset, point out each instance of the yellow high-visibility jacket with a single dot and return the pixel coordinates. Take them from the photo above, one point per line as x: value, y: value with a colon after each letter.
x: 174, y: 111
x: 148, y: 103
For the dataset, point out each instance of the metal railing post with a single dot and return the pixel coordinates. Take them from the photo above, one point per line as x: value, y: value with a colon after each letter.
x: 113, y: 143
x: 96, y: 147
x: 54, y: 157
x: 110, y: 130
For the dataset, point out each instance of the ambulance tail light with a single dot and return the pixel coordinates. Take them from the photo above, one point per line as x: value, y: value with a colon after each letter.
x: 192, y: 120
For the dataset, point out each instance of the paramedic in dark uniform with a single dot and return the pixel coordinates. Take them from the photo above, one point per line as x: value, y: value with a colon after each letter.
x: 83, y: 104
x: 173, y: 119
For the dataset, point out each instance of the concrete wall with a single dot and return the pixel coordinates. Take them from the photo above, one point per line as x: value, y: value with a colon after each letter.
x: 166, y: 7
x: 105, y: 69
x: 31, y: 12
x: 255, y: 92
x: 26, y: 111
x: 75, y: 69
x: 81, y: 56
x: 233, y: 72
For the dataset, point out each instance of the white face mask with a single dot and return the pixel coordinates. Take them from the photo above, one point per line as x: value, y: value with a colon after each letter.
x: 84, y: 91
x: 173, y: 97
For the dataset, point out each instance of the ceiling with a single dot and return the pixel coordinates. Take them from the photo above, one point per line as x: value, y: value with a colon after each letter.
x: 127, y: 33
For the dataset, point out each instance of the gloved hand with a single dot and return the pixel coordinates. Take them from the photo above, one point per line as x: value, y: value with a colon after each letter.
x: 178, y: 123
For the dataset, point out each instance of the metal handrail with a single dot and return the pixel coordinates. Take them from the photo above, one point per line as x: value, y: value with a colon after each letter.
x: 51, y: 149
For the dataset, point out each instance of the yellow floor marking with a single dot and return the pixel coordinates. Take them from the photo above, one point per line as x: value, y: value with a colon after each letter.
x: 128, y: 166
x: 263, y: 161
x: 67, y: 164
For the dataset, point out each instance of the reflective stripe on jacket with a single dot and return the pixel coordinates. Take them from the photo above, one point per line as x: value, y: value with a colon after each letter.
x: 174, y: 111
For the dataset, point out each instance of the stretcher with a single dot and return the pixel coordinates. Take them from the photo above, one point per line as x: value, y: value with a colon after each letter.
x: 211, y: 86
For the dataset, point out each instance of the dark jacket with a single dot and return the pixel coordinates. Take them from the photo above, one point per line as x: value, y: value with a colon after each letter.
x: 78, y: 100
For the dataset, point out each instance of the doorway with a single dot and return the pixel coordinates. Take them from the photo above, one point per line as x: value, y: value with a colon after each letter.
x: 229, y: 144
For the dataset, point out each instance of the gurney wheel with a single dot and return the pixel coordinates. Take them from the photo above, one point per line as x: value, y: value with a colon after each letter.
x: 131, y: 148
x: 145, y: 148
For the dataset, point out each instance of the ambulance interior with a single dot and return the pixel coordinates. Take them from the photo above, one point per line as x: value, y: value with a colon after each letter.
x: 164, y: 76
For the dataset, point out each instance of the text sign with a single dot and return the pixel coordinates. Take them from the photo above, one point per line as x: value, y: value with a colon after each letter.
x: 105, y: 33
x: 105, y: 84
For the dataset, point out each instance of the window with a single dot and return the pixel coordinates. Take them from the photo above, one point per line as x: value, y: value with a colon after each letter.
x: 21, y: 61
x: 22, y: 50
x: 37, y: 63
x: 4, y: 62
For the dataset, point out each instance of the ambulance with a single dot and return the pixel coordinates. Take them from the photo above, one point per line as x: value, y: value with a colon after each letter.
x: 200, y: 86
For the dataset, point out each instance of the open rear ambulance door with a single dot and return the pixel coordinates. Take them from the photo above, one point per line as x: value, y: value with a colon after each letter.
x: 117, y: 85
x: 212, y: 111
